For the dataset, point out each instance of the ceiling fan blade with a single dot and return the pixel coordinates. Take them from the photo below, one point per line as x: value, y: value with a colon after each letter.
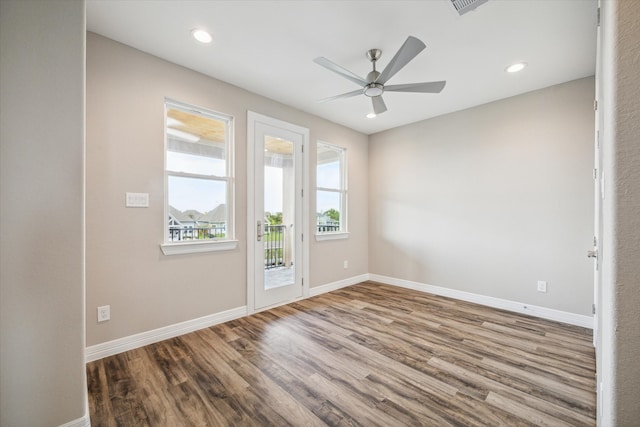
x: 410, y: 48
x: 379, y: 106
x: 332, y: 66
x: 426, y: 87
x: 342, y: 95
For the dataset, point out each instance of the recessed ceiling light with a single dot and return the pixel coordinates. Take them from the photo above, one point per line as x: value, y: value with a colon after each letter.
x: 514, y: 68
x: 201, y: 35
x: 371, y: 115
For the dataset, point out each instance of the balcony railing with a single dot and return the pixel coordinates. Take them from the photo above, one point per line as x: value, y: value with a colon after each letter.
x: 327, y: 228
x: 275, y: 243
x: 177, y: 234
x: 274, y: 246
x: 274, y: 239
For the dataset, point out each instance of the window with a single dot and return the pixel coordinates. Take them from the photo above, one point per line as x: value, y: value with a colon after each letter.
x: 331, y: 192
x: 199, y: 180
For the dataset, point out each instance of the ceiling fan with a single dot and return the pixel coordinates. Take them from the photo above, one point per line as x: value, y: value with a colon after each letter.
x: 374, y: 84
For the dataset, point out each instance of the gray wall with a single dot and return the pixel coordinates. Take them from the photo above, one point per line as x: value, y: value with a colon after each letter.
x: 42, y: 377
x: 491, y: 199
x: 619, y: 370
x: 125, y: 143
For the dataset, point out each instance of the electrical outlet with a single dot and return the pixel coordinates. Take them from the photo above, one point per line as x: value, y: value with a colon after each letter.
x: 104, y: 313
x: 542, y: 286
x: 346, y: 264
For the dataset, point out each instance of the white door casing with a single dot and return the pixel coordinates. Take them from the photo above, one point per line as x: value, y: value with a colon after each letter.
x: 599, y: 176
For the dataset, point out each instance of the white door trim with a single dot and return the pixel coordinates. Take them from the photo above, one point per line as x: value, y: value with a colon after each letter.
x: 598, y: 190
x: 252, y: 119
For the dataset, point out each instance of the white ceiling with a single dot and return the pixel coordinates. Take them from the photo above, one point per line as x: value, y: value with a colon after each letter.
x: 267, y: 47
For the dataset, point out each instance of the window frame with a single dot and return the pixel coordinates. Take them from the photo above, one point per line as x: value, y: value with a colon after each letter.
x: 229, y: 242
x: 343, y: 232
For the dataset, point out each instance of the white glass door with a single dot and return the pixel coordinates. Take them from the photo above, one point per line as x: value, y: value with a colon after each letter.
x: 276, y: 229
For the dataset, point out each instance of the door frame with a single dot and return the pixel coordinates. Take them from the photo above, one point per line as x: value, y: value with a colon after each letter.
x: 252, y: 119
x: 599, y: 177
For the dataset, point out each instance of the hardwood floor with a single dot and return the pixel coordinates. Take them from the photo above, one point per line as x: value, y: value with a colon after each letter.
x: 369, y: 354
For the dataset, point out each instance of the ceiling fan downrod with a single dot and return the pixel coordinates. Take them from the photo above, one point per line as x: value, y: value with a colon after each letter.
x: 373, y: 89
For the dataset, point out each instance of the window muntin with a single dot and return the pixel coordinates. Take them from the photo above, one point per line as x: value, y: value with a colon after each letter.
x: 199, y: 182
x: 331, y: 189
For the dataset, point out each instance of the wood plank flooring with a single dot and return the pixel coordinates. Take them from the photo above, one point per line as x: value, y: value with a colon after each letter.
x: 365, y: 355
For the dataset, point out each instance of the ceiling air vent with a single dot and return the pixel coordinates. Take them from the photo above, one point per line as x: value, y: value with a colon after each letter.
x: 464, y: 6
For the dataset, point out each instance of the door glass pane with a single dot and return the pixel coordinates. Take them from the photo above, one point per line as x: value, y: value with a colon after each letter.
x: 279, y: 213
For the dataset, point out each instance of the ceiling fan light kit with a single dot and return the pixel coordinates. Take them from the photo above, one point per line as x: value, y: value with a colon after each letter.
x: 373, y: 85
x: 373, y: 89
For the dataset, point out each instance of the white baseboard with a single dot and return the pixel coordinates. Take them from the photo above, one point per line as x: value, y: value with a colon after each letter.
x: 80, y: 422
x: 518, y: 307
x: 120, y: 345
x: 317, y: 290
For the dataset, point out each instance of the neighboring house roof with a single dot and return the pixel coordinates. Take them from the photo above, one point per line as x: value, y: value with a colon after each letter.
x: 191, y: 215
x: 178, y: 215
x: 217, y: 214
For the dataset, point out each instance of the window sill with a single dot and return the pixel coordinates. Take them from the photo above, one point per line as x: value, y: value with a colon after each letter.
x: 332, y: 236
x: 197, y: 247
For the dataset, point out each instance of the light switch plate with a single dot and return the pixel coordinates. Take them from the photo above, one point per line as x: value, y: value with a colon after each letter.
x: 137, y: 200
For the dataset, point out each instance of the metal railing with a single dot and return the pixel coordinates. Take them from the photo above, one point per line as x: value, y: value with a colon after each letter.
x: 274, y: 239
x: 177, y: 234
x: 274, y: 245
x: 326, y: 228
